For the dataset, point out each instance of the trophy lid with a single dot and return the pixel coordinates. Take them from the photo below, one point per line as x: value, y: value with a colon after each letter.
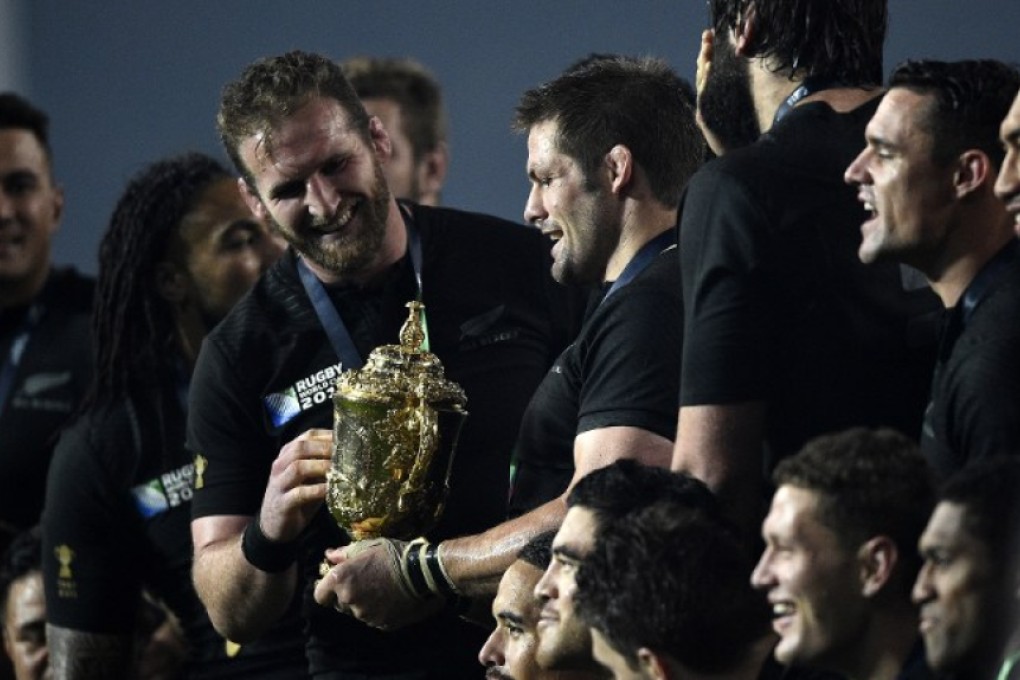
x: 394, y: 371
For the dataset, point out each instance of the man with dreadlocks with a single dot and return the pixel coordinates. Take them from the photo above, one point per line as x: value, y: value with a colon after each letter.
x: 44, y: 317
x: 181, y: 248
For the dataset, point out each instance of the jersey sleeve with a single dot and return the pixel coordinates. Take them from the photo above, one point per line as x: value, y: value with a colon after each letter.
x: 729, y: 313
x: 633, y: 363
x: 226, y: 435
x: 91, y: 569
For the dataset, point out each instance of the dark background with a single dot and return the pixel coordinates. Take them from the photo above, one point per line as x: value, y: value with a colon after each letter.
x: 128, y: 81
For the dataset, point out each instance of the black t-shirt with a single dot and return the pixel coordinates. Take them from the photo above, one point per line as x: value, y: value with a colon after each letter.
x: 622, y: 370
x: 53, y: 373
x: 975, y: 399
x: 778, y: 307
x: 117, y: 520
x: 496, y: 320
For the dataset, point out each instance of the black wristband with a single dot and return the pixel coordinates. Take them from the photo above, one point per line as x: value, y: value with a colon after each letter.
x: 266, y: 554
x: 415, y: 570
x: 436, y: 572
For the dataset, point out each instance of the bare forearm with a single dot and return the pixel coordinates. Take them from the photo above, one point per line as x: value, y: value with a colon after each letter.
x: 242, y: 601
x: 723, y: 446
x: 476, y: 563
x: 77, y: 655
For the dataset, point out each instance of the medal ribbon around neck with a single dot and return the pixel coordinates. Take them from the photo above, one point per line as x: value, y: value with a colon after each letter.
x: 642, y: 259
x: 329, y: 317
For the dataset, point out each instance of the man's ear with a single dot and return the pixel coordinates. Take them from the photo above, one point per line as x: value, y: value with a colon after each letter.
x: 973, y: 170
x: 171, y: 282
x: 652, y: 664
x: 380, y: 139
x: 620, y: 162
x: 877, y: 560
x: 252, y: 200
x: 743, y: 33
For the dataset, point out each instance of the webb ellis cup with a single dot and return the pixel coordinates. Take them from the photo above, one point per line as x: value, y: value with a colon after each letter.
x: 396, y: 423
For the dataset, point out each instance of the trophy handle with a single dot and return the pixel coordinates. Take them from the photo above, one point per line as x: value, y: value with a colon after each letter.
x: 427, y: 420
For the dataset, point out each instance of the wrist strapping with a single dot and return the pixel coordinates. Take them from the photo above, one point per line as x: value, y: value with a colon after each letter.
x: 265, y: 554
x: 423, y: 572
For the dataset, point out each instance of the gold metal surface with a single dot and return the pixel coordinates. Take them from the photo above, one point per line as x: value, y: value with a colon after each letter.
x: 396, y: 423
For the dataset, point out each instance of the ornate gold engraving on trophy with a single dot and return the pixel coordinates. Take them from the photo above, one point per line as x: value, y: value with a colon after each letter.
x: 396, y: 423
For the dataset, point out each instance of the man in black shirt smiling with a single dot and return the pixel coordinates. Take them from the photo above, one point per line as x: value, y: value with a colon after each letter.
x: 927, y: 179
x: 611, y: 143
x: 45, y: 365
x: 311, y: 161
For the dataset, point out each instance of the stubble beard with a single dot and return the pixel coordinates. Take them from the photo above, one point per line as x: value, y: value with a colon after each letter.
x: 585, y: 263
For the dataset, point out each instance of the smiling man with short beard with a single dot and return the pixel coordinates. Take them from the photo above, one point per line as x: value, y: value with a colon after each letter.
x: 259, y: 424
x: 611, y: 142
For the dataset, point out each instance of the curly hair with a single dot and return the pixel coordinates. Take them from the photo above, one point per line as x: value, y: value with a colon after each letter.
x: 273, y: 88
x: 869, y: 483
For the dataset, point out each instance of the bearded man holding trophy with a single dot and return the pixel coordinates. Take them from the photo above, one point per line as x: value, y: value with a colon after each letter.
x: 486, y: 323
x: 611, y: 143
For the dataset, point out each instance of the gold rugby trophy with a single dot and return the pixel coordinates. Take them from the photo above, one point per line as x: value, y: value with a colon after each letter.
x: 396, y: 424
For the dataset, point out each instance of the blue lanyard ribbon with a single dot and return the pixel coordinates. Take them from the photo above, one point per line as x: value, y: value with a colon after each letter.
x: 642, y: 259
x: 808, y: 87
x: 18, y: 344
x: 329, y: 317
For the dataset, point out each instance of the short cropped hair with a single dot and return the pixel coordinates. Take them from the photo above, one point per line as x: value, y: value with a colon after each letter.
x: 538, y: 551
x: 869, y: 483
x: 605, y: 100
x: 838, y: 39
x: 614, y: 491
x: 415, y: 90
x: 22, y: 557
x: 273, y: 88
x: 17, y: 113
x: 674, y: 581
x: 989, y: 491
x: 969, y: 100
